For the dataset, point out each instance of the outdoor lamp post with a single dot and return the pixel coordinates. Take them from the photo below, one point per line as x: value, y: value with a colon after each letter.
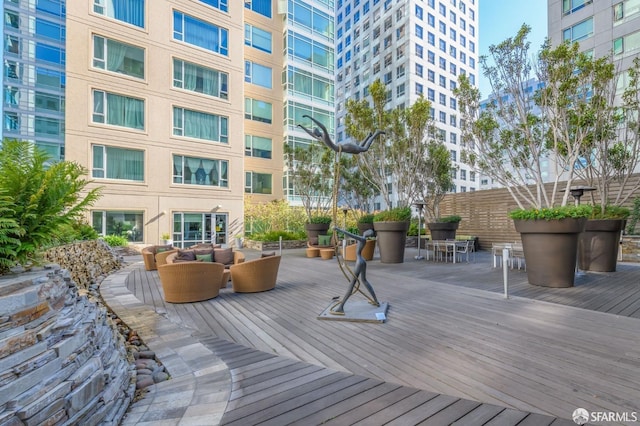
x: 419, y: 206
x: 344, y: 222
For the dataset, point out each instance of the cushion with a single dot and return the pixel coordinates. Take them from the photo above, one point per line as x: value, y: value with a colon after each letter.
x: 268, y: 254
x: 160, y: 249
x: 205, y: 257
x: 324, y: 240
x: 313, y: 241
x: 185, y: 255
x: 224, y: 256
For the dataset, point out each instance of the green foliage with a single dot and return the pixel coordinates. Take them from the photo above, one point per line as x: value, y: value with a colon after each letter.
x: 398, y: 214
x: 634, y: 217
x: 610, y: 212
x: 366, y: 218
x: 450, y: 219
x: 116, y: 240
x: 275, y: 236
x: 320, y: 219
x: 551, y: 213
x: 271, y: 216
x: 44, y: 197
x: 10, y: 234
x: 74, y: 231
x: 413, y: 229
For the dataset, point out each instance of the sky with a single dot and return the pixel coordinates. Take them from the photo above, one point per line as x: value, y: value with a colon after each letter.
x: 501, y: 19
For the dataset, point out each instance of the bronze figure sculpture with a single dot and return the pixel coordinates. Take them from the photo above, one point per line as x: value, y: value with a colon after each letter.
x: 359, y: 273
x: 322, y: 135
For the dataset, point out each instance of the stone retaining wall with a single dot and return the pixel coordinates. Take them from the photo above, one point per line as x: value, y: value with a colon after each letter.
x: 630, y: 248
x: 268, y: 245
x: 62, y: 360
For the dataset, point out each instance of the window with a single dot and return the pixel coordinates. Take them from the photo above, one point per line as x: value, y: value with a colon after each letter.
x: 220, y: 4
x: 200, y: 171
x: 129, y: 11
x: 452, y: 34
x: 472, y: 46
x: 419, y: 12
x: 419, y: 89
x: 442, y: 81
x: 453, y: 120
x: 579, y: 31
x: 310, y: 51
x: 200, y: 125
x: 452, y: 50
x: 257, y: 74
x: 196, y: 78
x: 472, y: 30
x: 431, y: 76
x: 443, y: 27
x: 627, y: 45
x: 431, y: 95
x: 11, y: 44
x: 257, y: 38
x: 453, y: 138
x: 124, y: 223
x: 419, y: 31
x: 117, y: 163
x: 263, y: 7
x: 53, y: 54
x: 400, y: 71
x: 431, y: 39
x: 118, y: 57
x: 454, y: 156
x: 118, y: 110
x: 400, y: 90
x: 257, y: 183
x: 419, y: 70
x: 443, y: 45
x: 453, y: 104
x: 431, y: 57
x: 258, y: 110
x: 419, y: 51
x: 257, y: 146
x: 570, y: 6
x: 452, y: 68
x: 48, y: 126
x: 51, y: 30
x: 443, y: 117
x: 472, y: 176
x: 200, y: 33
x: 443, y: 63
x: 431, y: 20
x: 443, y: 99
x: 11, y: 20
x: 443, y: 9
x: 463, y: 174
x: 11, y: 121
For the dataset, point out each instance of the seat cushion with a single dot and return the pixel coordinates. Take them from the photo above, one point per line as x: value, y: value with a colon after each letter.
x: 185, y: 255
x: 224, y: 256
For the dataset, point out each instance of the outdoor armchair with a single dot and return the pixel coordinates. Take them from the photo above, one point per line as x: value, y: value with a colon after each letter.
x: 255, y: 275
x: 149, y: 256
x: 190, y: 281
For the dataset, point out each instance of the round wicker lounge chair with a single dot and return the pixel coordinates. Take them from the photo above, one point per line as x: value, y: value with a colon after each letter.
x: 255, y: 275
x: 190, y: 281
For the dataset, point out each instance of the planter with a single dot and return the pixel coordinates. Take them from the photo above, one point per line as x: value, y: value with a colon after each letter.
x: 392, y: 237
x: 315, y: 229
x: 598, y: 245
x: 367, y: 251
x: 550, y: 250
x: 362, y: 227
x: 443, y: 230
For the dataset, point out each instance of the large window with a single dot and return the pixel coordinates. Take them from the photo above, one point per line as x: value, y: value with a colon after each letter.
x: 309, y: 85
x: 117, y: 163
x: 118, y: 57
x: 579, y: 31
x: 218, y: 4
x: 627, y: 45
x: 258, y: 38
x: 50, y: 30
x: 48, y: 102
x: 295, y: 111
x: 129, y: 11
x: 263, y: 7
x: 196, y: 78
x: 129, y: 224
x: 570, y: 6
x: 257, y: 146
x: 50, y: 78
x: 48, y: 126
x: 118, y: 110
x: 258, y: 110
x: 311, y: 51
x: 257, y: 183
x: 258, y: 74
x: 200, y: 125
x: 53, y: 54
x: 200, y: 33
x: 200, y: 171
x: 303, y: 13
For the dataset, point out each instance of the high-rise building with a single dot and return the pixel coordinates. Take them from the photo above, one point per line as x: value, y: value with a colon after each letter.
x: 34, y: 78
x: 308, y: 73
x: 415, y: 48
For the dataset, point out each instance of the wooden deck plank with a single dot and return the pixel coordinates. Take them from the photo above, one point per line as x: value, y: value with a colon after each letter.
x: 479, y: 416
x: 452, y: 413
x: 506, y: 418
x: 423, y: 411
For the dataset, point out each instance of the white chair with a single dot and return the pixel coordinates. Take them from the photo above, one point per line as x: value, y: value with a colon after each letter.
x: 496, y: 252
x: 463, y: 248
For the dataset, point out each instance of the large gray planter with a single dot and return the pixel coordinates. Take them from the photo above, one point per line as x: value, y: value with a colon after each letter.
x: 550, y: 250
x: 315, y: 229
x: 598, y: 245
x: 392, y: 237
x: 443, y: 230
x: 362, y: 227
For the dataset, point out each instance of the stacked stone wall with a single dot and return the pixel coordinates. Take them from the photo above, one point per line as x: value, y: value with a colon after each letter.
x: 62, y: 359
x: 630, y: 249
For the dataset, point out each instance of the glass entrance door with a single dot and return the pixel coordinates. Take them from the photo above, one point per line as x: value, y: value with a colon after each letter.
x: 195, y: 228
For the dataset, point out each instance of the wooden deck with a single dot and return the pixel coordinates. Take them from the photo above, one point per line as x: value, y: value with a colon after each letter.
x: 441, y: 337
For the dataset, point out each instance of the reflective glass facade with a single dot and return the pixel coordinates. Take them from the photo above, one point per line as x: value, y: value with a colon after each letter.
x: 33, y: 78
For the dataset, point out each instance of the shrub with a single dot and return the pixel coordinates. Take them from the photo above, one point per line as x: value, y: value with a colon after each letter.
x: 116, y: 240
x: 398, y: 214
x: 610, y: 212
x: 275, y: 236
x: 75, y: 231
x: 44, y: 197
x: 551, y: 213
x: 634, y: 217
x: 366, y: 218
x: 321, y: 219
x: 450, y: 219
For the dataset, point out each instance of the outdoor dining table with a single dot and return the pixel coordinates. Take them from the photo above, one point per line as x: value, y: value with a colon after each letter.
x: 450, y: 246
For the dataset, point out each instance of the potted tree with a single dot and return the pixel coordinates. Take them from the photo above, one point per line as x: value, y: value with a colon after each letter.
x: 610, y: 156
x: 365, y: 222
x: 391, y: 228
x: 317, y: 225
x: 444, y: 228
x: 512, y: 137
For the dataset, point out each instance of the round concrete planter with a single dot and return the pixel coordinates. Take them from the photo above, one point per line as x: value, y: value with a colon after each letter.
x: 598, y: 245
x: 443, y: 230
x: 315, y: 229
x: 392, y: 237
x: 550, y: 250
x: 364, y: 226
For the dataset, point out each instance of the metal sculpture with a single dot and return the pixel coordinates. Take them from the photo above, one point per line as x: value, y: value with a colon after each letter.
x: 322, y: 135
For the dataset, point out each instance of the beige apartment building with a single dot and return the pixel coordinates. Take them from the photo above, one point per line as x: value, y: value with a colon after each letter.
x: 176, y: 110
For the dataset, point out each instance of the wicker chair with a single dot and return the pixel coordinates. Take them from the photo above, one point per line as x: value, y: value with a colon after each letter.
x: 161, y: 258
x: 191, y: 281
x: 255, y: 275
x: 238, y: 257
x: 149, y: 256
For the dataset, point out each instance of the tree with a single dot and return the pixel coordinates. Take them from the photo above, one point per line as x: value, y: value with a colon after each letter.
x: 403, y: 153
x: 519, y: 129
x: 44, y: 197
x: 440, y: 181
x: 311, y: 171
